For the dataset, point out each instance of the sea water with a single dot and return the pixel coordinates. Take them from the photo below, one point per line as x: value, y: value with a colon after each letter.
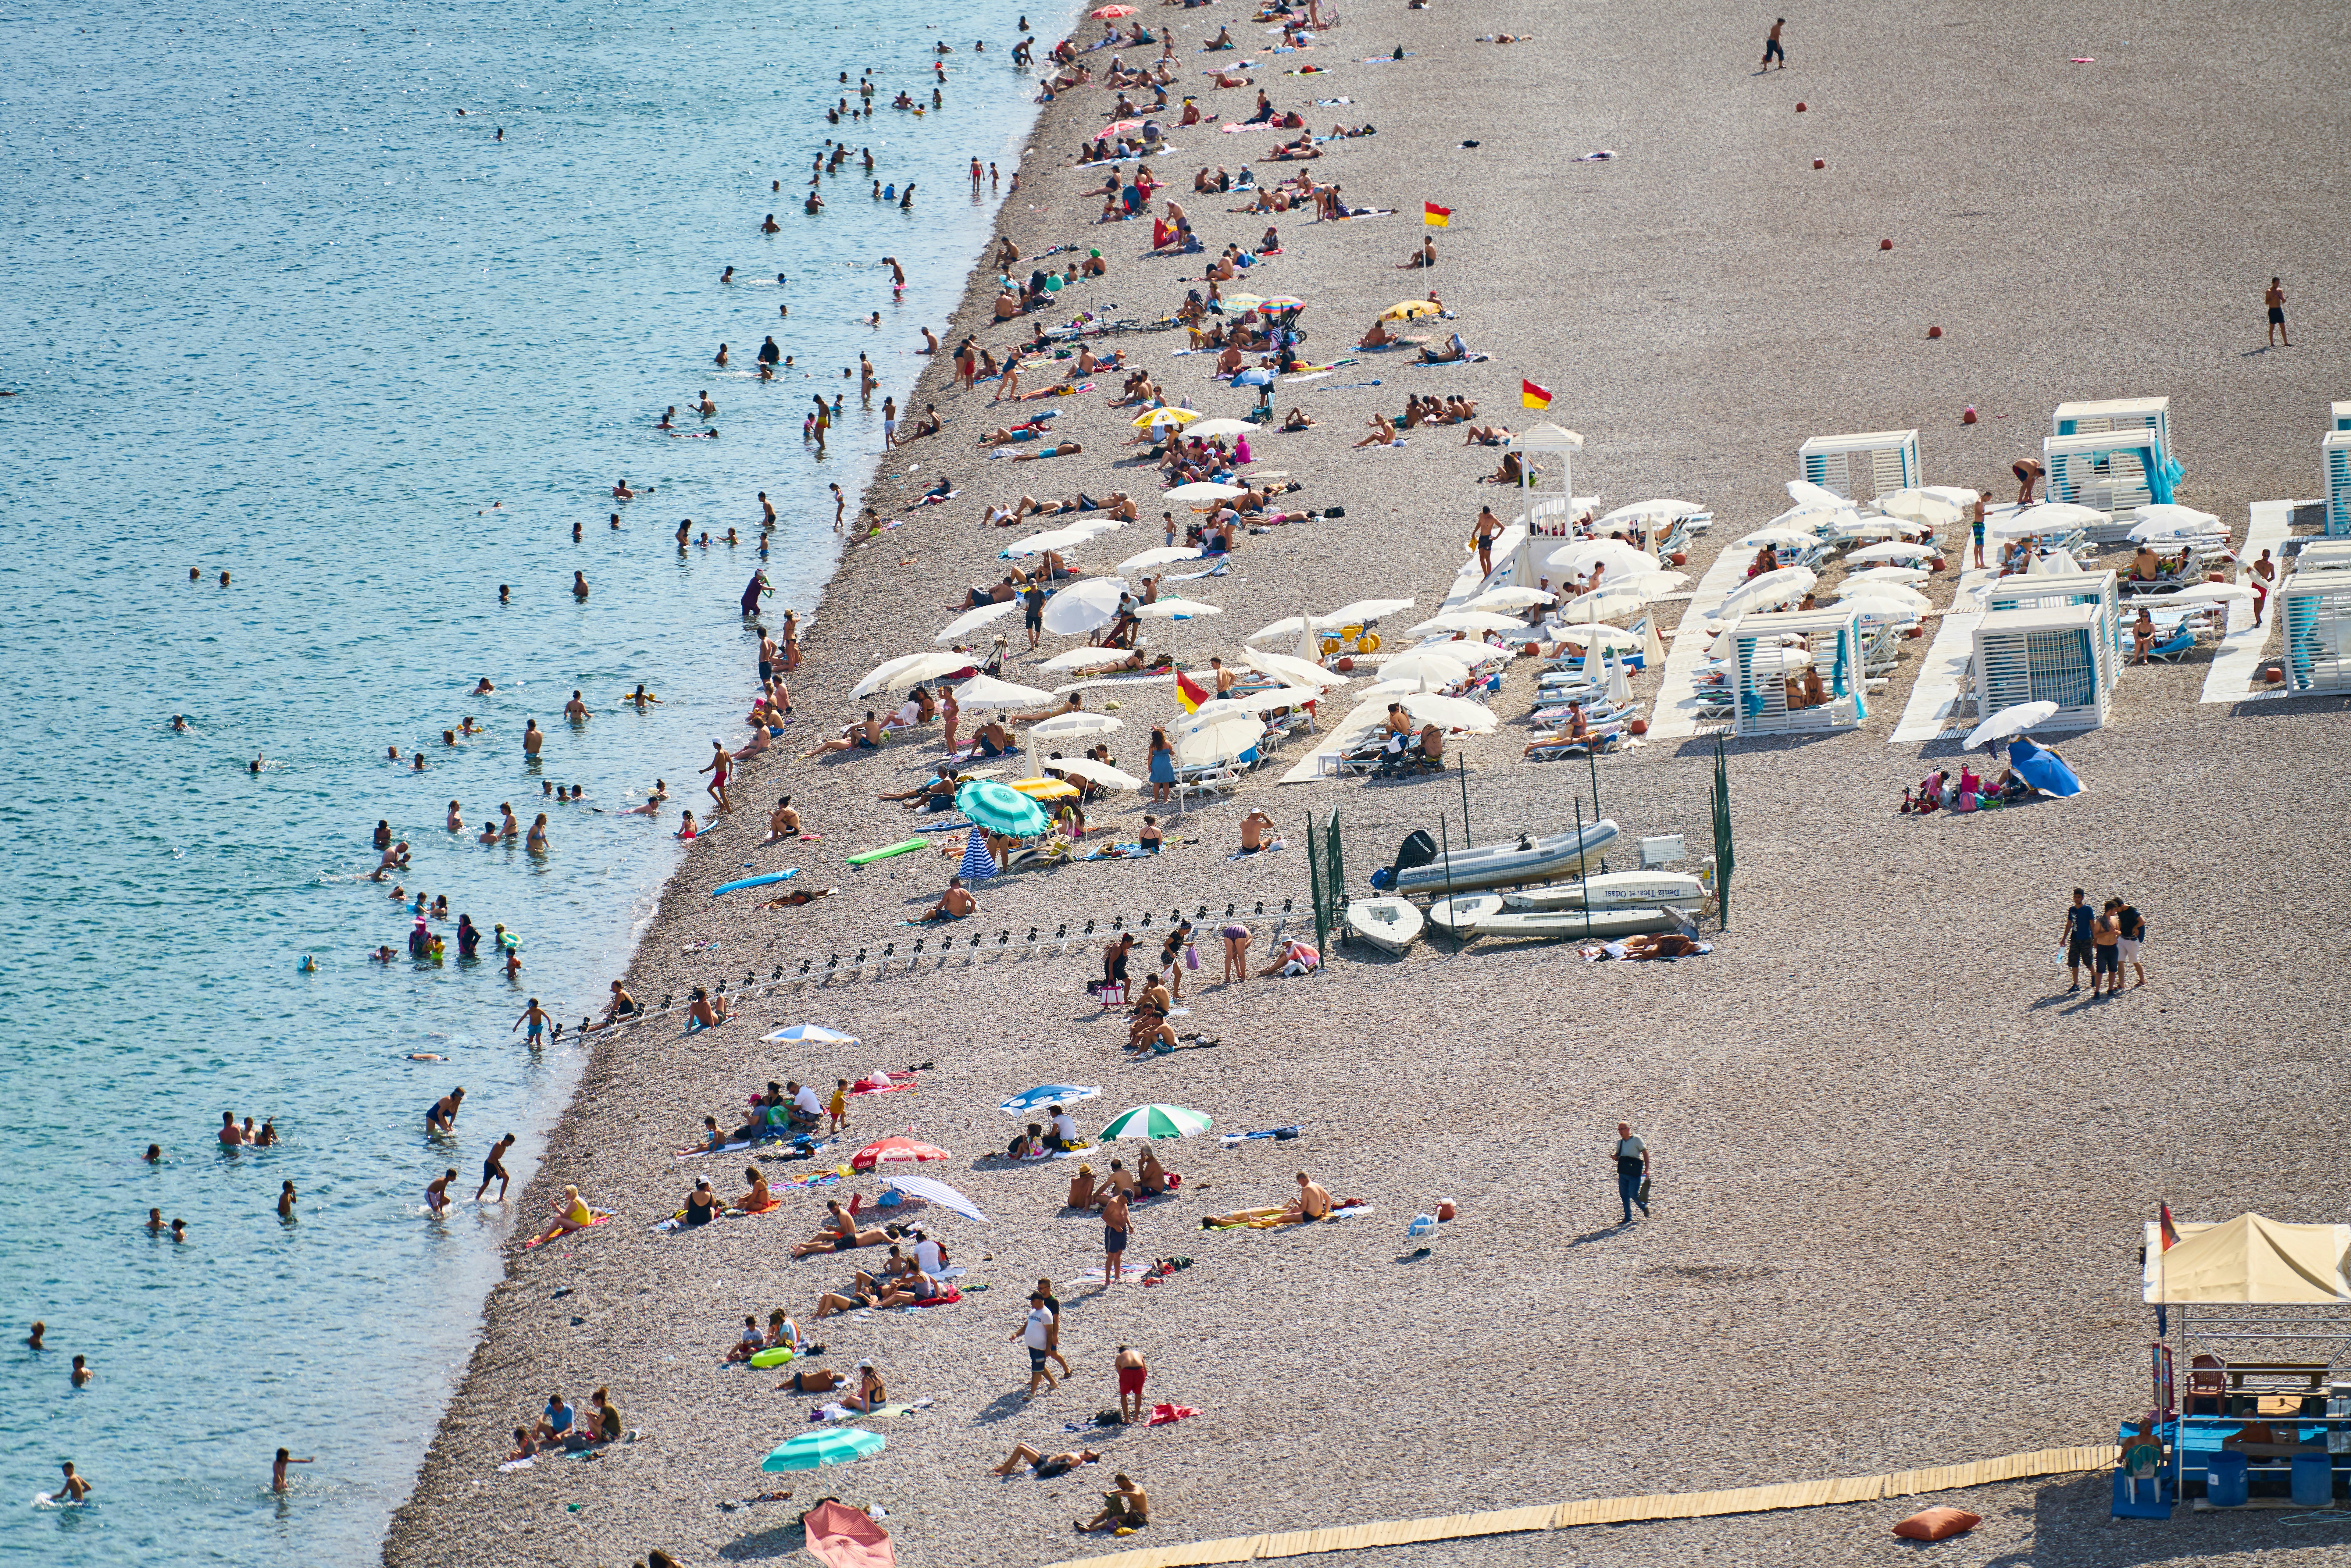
x: 273, y: 307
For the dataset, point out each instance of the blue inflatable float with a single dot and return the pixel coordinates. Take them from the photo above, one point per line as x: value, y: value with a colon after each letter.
x: 2042, y: 768
x: 775, y: 877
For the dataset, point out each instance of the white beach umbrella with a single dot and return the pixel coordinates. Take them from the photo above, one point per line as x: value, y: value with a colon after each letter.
x: 2052, y: 563
x: 1779, y: 661
x: 1069, y: 726
x: 1280, y: 696
x: 1804, y: 493
x: 1449, y: 713
x: 1598, y: 638
x: 1620, y: 683
x: 1959, y: 495
x: 1204, y: 490
x: 1038, y: 544
x: 1208, y: 712
x: 1085, y: 659
x: 1208, y: 428
x: 1873, y: 528
x: 1158, y: 555
x: 1606, y: 602
x: 2008, y: 721
x: 1512, y: 599
x: 1655, y: 584
x: 1904, y: 574
x: 1615, y: 554
x: 1423, y: 664
x: 1660, y: 507
x: 972, y: 621
x: 1812, y: 518
x: 1291, y: 625
x: 1894, y: 552
x: 1175, y: 609
x: 1470, y: 621
x: 1762, y: 536
x: 2172, y: 522
x: 1086, y: 768
x: 913, y: 670
x: 1889, y: 593
x: 2211, y: 594
x: 1772, y: 588
x: 2049, y: 518
x: 1293, y: 670
x: 1919, y: 506
x: 1364, y: 610
x: 1083, y: 607
x: 1220, y: 741
x: 986, y: 691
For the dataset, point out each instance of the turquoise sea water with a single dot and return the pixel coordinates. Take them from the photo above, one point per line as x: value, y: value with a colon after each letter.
x: 275, y: 308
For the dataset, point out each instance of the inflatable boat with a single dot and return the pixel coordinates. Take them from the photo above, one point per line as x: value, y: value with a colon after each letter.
x: 1469, y: 914
x: 1419, y: 868
x: 1617, y: 890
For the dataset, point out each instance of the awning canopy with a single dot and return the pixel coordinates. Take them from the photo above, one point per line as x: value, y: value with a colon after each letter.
x: 2249, y: 1259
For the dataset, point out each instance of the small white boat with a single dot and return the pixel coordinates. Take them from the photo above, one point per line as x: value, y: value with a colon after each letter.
x: 1387, y: 924
x: 1468, y: 914
x: 1616, y: 890
x: 1511, y: 863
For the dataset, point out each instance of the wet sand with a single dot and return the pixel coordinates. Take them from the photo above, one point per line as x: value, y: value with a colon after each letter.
x: 1900, y: 1172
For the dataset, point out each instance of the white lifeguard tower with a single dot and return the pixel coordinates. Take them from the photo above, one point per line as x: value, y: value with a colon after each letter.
x: 2336, y: 449
x: 1552, y: 450
x: 2315, y: 608
x: 2052, y: 653
x: 2099, y: 590
x: 1759, y: 674
x: 1859, y: 467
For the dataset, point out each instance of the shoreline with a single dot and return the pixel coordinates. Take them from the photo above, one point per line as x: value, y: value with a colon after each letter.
x: 1812, y: 1092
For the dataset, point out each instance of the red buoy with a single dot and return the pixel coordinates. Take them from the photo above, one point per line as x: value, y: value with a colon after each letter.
x: 1934, y: 331
x: 1820, y: 162
x: 1800, y: 109
x: 1638, y: 727
x: 1885, y: 244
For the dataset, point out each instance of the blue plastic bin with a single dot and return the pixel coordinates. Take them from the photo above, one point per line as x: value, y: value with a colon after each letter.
x: 2224, y: 1481
x: 2314, y: 1480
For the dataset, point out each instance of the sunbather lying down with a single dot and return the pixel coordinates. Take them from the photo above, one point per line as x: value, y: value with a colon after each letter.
x: 798, y: 896
x: 1445, y: 354
x: 1045, y: 1466
x: 840, y: 1234
x: 1312, y: 1203
x: 1666, y: 945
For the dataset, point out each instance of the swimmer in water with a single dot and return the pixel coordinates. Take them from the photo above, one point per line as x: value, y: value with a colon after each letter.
x: 482, y: 688
x: 621, y: 492
x: 720, y: 359
x: 73, y: 1489
x: 155, y: 1154
x: 82, y: 1374
x: 503, y: 594
x: 179, y: 722
x: 286, y: 1200
x: 727, y: 276
x: 579, y: 585
x: 179, y: 1230
x: 416, y: 764
x: 155, y: 1221
x: 456, y: 823
x: 535, y: 1016
x: 436, y: 1192
x: 706, y: 406
x: 277, y: 1481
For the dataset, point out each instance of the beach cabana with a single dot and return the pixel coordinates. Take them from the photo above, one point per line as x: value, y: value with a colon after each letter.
x: 2315, y: 608
x: 2053, y: 653
x: 1760, y: 672
x: 2342, y: 416
x: 1878, y: 463
x: 2097, y: 589
x: 2112, y: 471
x: 2110, y: 415
x: 2337, y: 450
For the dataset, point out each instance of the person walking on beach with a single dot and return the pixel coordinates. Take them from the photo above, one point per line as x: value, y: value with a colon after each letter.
x: 1976, y: 526
x: 2081, y: 928
x: 1632, y: 1171
x: 493, y: 1169
x: 1772, y: 49
x: 1488, y: 527
x: 2264, y: 574
x: 2132, y: 928
x: 720, y: 763
x: 2274, y: 296
x: 1037, y: 1333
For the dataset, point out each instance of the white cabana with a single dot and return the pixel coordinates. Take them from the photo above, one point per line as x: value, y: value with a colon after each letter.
x: 2315, y: 608
x: 1760, y: 672
x: 2052, y: 653
x: 1873, y: 463
x: 2096, y: 588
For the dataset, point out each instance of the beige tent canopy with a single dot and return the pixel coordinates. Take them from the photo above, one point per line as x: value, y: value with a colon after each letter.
x: 2249, y: 1259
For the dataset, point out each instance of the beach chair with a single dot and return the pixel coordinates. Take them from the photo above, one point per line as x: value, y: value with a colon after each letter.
x: 2173, y: 648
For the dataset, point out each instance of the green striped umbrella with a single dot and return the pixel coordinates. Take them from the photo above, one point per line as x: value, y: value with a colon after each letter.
x: 1000, y: 808
x: 1158, y: 1121
x: 830, y: 1446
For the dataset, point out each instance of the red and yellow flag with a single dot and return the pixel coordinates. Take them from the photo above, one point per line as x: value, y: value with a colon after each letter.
x: 1435, y: 216
x: 1189, y: 693
x: 2170, y: 1231
x: 1533, y: 396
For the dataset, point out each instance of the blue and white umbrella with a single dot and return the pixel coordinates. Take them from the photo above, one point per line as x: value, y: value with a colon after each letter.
x: 937, y: 1192
x: 1045, y: 1094
x: 977, y: 863
x: 808, y: 1034
x: 1256, y: 376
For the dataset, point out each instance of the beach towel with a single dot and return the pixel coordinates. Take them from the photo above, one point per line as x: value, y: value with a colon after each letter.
x: 1603, y: 156
x: 1120, y: 853
x: 839, y: 1536
x: 1168, y: 1414
x: 595, y: 1217
x: 936, y: 500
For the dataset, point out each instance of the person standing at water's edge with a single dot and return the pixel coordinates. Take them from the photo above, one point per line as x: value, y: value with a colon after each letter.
x: 1632, y: 1170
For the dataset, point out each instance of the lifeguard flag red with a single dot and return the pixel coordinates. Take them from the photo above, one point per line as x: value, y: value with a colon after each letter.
x: 1435, y: 216
x: 2170, y: 1231
x: 1189, y: 693
x: 1533, y: 396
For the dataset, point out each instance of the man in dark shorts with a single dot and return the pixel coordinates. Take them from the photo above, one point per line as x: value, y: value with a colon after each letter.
x: 2081, y: 927
x: 1772, y: 49
x: 2028, y: 472
x: 1032, y: 608
x: 493, y: 1169
x: 2274, y: 296
x: 1114, y: 1223
x: 1037, y: 1333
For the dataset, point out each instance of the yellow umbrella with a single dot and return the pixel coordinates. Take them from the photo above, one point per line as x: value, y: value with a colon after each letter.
x: 1045, y: 788
x: 1408, y: 310
x: 1159, y: 416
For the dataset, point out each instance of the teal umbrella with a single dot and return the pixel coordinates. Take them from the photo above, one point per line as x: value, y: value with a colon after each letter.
x: 1158, y: 1121
x: 829, y: 1445
x: 1000, y: 808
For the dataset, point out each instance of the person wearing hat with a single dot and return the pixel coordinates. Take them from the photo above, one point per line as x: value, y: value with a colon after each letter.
x: 1037, y: 1332
x: 871, y: 1395
x: 1093, y: 266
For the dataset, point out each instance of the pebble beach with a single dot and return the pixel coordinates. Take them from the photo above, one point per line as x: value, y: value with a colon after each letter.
x: 1900, y: 1172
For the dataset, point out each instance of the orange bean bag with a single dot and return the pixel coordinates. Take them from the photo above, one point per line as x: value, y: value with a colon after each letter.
x: 1938, y: 1524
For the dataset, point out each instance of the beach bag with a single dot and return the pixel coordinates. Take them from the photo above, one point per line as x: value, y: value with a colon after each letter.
x: 1938, y: 1524
x: 1191, y: 957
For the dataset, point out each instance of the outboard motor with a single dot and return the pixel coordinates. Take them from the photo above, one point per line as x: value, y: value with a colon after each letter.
x: 1417, y: 849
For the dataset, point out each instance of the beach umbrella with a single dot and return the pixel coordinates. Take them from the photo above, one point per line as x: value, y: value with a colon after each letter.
x: 1598, y: 638
x: 2172, y: 522
x: 1162, y: 416
x: 1239, y: 304
x: 1000, y: 808
x: 839, y: 1536
x: 1158, y: 1121
x: 1779, y: 661
x: 1296, y: 671
x: 1084, y: 659
x: 1218, y: 741
x: 1205, y: 490
x: 1423, y: 664
x: 893, y: 1151
x: 1762, y: 536
x: 1406, y: 309
x: 1291, y: 625
x: 1031, y: 1101
x: 1093, y: 772
x: 1174, y: 610
x: 808, y: 1034
x: 1470, y: 621
x: 2048, y: 518
x: 1655, y: 584
x: 1923, y: 506
x: 1158, y: 555
x: 1042, y: 788
x: 1065, y: 725
x: 1449, y: 713
x: 979, y: 863
x: 1207, y: 713
x: 1083, y: 606
x: 913, y: 670
x: 1281, y: 302
x: 1364, y: 610
x: 1115, y: 128
x: 1871, y: 595
x: 937, y: 1192
x: 1812, y: 516
x: 1772, y: 588
x: 1600, y: 603
x: 2211, y: 594
x: 1255, y: 376
x: 2008, y: 721
x: 1873, y: 528
x: 1660, y: 507
x: 1111, y: 13
x: 972, y: 621
x: 986, y: 691
x: 2042, y: 768
x: 1890, y: 552
x: 1210, y: 428
x: 1804, y: 493
x: 830, y: 1446
x: 1038, y: 544
x: 1615, y: 554
x: 1510, y: 598
x: 1280, y: 696
x: 1897, y: 574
